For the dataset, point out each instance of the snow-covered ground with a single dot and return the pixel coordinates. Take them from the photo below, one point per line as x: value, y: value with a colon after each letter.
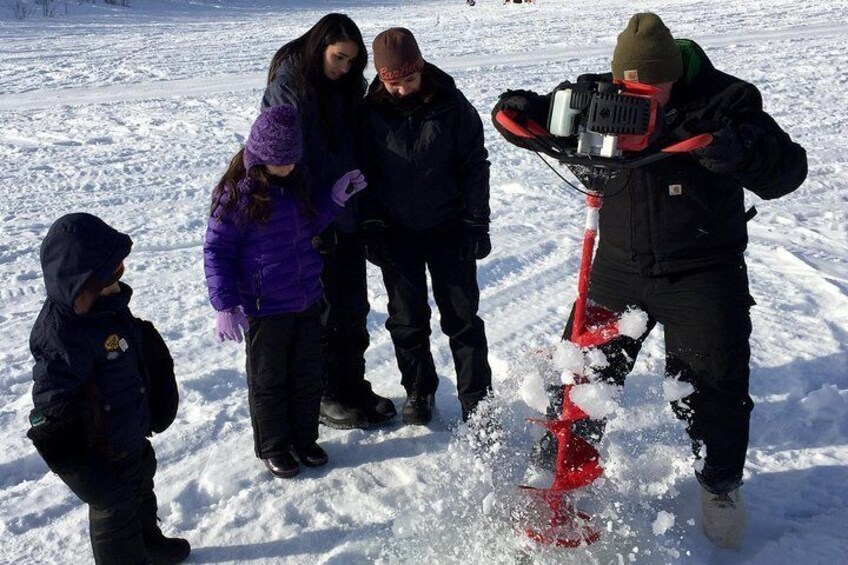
x: 132, y: 114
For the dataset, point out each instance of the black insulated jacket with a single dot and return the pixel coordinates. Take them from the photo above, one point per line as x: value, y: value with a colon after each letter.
x: 90, y: 384
x: 424, y: 158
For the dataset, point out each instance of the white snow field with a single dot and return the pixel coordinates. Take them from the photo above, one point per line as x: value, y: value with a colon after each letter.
x: 132, y: 114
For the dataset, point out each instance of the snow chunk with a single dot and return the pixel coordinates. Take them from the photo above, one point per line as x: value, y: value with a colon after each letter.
x: 596, y: 399
x: 406, y: 526
x: 596, y: 359
x: 633, y: 323
x: 532, y: 391
x: 664, y: 522
x: 674, y: 389
x: 826, y: 400
x: 568, y: 358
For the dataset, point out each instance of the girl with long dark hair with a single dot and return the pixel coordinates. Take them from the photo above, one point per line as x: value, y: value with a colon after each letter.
x: 263, y: 277
x: 321, y: 74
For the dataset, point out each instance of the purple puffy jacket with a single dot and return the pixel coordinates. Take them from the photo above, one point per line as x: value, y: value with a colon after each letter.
x: 269, y: 268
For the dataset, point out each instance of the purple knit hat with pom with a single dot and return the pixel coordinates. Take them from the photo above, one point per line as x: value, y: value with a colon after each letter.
x: 275, y: 138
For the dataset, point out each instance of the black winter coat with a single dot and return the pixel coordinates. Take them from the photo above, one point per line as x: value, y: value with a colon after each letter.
x: 675, y: 215
x: 424, y: 158
x: 328, y: 120
x: 89, y: 377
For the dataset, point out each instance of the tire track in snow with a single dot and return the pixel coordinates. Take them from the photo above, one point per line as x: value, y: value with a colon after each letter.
x: 200, y: 86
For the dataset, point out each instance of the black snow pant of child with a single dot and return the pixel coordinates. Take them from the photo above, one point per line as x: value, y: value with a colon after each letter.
x: 457, y: 296
x: 345, y: 337
x: 284, y: 380
x: 122, y: 505
x: 705, y: 315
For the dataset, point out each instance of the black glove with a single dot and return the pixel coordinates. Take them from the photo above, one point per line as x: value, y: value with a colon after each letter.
x: 475, y: 243
x: 374, y: 234
x: 62, y: 440
x: 519, y: 100
x: 727, y: 153
x: 326, y: 242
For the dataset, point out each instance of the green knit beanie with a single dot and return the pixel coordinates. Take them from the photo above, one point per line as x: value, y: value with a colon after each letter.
x: 646, y: 52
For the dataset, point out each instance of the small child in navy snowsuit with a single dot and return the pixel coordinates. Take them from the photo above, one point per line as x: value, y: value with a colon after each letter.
x: 98, y: 392
x: 263, y: 274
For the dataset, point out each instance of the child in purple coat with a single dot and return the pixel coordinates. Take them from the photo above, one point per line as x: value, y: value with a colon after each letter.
x: 263, y: 275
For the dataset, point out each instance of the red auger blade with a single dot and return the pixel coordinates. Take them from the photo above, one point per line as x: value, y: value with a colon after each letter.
x: 568, y: 526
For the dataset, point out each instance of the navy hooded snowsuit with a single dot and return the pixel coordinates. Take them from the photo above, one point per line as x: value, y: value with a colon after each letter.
x: 91, y: 415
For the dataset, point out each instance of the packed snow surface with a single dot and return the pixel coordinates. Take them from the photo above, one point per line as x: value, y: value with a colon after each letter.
x: 132, y: 114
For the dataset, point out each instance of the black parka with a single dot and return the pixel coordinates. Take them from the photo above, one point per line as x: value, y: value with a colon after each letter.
x: 675, y: 215
x: 426, y: 165
x: 89, y: 366
x: 327, y: 119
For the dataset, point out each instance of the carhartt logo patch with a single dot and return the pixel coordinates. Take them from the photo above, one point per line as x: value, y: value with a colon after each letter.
x: 675, y: 189
x: 631, y: 75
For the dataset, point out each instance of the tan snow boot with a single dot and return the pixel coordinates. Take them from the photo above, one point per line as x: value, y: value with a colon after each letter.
x: 724, y: 517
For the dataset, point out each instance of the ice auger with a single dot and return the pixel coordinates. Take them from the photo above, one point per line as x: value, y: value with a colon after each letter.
x: 596, y: 130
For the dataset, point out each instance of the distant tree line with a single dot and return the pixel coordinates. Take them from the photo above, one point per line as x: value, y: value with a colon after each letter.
x: 50, y: 8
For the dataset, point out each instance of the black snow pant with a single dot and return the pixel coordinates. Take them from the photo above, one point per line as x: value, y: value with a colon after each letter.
x: 284, y: 380
x: 345, y: 337
x: 706, y: 319
x: 121, y: 505
x: 455, y: 290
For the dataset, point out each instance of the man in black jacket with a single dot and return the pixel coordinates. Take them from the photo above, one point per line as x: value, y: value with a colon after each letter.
x: 92, y: 390
x: 672, y: 237
x: 428, y: 209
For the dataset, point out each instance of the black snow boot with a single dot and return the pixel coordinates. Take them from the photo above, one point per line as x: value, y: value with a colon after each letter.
x: 378, y: 409
x: 284, y: 467
x: 335, y: 414
x: 166, y: 551
x: 418, y: 409
x: 312, y: 456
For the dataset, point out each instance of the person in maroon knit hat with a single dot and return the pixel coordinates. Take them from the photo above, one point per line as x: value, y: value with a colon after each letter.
x: 429, y: 211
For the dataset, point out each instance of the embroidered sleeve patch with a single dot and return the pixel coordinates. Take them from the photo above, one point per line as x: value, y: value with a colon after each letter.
x: 112, y: 343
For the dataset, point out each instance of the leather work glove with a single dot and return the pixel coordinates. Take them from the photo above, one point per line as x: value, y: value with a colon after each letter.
x: 475, y: 243
x: 727, y: 153
x: 349, y: 184
x: 376, y: 242
x: 230, y: 324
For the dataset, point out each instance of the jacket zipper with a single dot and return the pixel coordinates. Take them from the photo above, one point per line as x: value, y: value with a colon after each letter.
x: 257, y: 283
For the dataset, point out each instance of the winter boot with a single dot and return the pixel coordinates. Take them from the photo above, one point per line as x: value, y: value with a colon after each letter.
x: 378, y: 409
x: 284, y: 467
x: 335, y: 414
x: 312, y: 456
x: 167, y: 551
x: 418, y: 409
x: 724, y: 517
